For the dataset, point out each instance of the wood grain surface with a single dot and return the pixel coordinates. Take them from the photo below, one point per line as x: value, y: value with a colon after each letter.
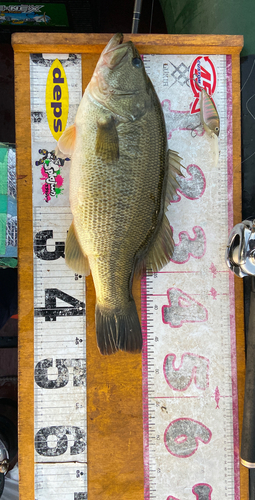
x: 146, y: 44
x: 114, y: 383
x: 25, y: 273
x: 115, y: 420
x: 114, y: 401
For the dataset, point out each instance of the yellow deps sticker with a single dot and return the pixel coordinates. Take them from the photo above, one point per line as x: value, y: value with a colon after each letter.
x: 57, y: 99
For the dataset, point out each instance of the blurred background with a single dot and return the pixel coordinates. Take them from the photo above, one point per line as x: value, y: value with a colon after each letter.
x: 101, y: 16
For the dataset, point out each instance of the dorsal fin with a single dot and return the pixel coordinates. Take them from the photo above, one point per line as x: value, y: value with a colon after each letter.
x: 162, y: 245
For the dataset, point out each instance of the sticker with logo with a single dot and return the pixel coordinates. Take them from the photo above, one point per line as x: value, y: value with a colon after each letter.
x: 52, y: 180
x: 202, y: 69
x: 57, y: 99
x: 53, y: 14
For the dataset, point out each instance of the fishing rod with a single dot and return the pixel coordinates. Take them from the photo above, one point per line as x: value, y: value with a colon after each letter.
x: 136, y: 16
x: 240, y: 258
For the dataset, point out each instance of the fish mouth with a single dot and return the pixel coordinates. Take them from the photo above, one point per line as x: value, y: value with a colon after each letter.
x: 116, y: 51
x: 116, y: 40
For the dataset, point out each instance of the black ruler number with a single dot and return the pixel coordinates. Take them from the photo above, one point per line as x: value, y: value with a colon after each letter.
x: 51, y: 311
x: 40, y: 244
x: 61, y: 433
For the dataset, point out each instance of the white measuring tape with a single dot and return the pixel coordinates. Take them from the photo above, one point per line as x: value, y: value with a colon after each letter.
x: 189, y: 363
x: 59, y: 300
x: 189, y: 360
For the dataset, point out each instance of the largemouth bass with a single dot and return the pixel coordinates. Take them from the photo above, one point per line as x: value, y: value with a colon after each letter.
x: 122, y: 179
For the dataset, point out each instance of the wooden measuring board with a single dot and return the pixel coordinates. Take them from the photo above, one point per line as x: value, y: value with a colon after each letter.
x: 164, y: 425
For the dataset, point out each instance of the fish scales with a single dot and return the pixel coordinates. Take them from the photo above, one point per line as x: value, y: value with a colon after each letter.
x: 110, y: 199
x: 118, y: 184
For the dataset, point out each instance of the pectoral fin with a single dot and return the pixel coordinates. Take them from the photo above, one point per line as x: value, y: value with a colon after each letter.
x: 74, y: 257
x: 107, y: 141
x: 66, y: 142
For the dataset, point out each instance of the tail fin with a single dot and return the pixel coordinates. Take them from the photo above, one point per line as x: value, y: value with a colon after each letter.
x: 118, y: 329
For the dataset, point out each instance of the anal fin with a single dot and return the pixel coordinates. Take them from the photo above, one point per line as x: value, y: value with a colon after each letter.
x: 74, y: 257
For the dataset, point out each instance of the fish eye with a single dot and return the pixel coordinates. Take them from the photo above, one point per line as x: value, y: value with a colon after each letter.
x: 137, y: 62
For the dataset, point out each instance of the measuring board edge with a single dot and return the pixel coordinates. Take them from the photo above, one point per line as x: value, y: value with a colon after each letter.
x: 146, y: 43
x: 239, y: 299
x: 25, y: 277
x: 231, y: 278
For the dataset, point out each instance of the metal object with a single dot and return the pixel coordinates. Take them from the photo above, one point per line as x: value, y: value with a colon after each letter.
x: 240, y: 252
x: 4, y: 458
x: 4, y: 466
x: 136, y: 16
